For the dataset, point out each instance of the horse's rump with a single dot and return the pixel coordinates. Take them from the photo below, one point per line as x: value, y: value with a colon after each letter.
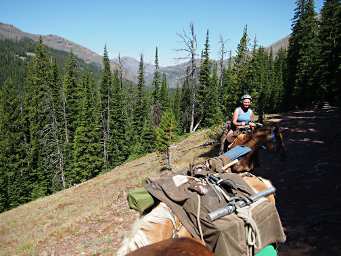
x: 173, y: 247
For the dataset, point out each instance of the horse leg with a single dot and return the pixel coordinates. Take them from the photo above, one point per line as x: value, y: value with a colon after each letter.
x: 223, y: 139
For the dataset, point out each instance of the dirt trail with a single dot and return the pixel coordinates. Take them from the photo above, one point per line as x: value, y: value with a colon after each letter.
x: 308, y: 182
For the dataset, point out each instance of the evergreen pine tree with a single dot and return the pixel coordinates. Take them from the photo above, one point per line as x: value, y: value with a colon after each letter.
x: 280, y: 71
x: 204, y: 82
x: 87, y: 151
x: 176, y: 107
x: 329, y: 72
x: 306, y: 86
x: 213, y: 112
x: 156, y: 79
x: 14, y: 164
x: 156, y: 102
x: 186, y: 104
x: 294, y: 51
x: 72, y: 94
x: 254, y: 72
x: 230, y: 95
x: 139, y: 111
x: 71, y: 110
x: 106, y: 99
x: 271, y: 86
x: 302, y: 55
x: 148, y: 136
x: 117, y: 144
x: 166, y: 134
x: 240, y: 66
x: 41, y: 118
x: 222, y: 71
x: 164, y: 99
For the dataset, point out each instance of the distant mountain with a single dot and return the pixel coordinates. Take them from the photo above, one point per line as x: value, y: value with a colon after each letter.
x: 174, y: 73
x: 52, y: 41
x: 131, y: 67
x: 282, y: 43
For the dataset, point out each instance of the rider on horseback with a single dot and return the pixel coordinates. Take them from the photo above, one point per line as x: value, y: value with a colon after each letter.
x: 243, y: 115
x: 242, y: 122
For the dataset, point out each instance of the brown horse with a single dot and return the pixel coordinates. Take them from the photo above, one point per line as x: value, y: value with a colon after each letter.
x: 161, y: 224
x: 241, y: 136
x: 173, y: 247
x: 268, y: 137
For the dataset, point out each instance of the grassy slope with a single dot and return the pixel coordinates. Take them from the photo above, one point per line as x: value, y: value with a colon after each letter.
x: 91, y: 218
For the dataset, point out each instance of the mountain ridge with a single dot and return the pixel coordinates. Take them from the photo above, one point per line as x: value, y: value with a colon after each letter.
x: 174, y: 73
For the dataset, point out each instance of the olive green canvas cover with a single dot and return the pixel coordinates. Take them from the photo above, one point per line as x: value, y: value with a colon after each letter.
x: 140, y: 200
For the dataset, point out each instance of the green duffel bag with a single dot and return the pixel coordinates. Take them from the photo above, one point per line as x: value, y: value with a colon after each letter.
x: 268, y: 250
x: 140, y: 200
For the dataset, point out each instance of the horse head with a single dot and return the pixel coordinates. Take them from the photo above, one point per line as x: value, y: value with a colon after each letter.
x: 271, y: 138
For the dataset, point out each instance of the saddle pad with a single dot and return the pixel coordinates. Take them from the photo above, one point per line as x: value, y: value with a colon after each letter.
x: 237, y: 152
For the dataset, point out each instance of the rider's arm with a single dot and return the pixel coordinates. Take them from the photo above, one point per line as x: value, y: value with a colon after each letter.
x: 235, y: 118
x: 252, y: 120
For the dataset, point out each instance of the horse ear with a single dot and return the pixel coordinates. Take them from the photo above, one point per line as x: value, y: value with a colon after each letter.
x: 284, y: 129
x: 275, y: 128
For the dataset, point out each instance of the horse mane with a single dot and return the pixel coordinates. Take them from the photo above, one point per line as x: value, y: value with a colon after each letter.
x: 138, y: 236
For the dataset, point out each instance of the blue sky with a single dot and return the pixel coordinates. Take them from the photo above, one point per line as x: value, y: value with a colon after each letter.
x: 133, y: 27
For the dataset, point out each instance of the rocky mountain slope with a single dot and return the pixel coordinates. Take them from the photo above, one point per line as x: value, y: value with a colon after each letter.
x: 53, y: 41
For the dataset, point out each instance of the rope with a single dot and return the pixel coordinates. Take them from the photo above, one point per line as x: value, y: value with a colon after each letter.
x: 227, y: 197
x: 176, y: 230
x: 252, y: 231
x: 198, y: 220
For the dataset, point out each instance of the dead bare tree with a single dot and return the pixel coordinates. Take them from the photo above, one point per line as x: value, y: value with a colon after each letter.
x: 222, y: 53
x: 190, y: 49
x: 120, y: 70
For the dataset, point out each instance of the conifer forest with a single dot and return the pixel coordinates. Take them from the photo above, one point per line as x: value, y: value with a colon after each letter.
x: 63, y: 121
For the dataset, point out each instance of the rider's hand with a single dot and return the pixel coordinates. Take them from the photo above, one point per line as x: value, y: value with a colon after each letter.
x: 252, y: 124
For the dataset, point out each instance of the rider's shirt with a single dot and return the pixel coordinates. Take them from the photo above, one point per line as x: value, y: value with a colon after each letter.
x: 244, y: 116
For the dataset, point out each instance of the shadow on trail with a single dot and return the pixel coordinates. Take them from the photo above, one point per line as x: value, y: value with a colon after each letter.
x: 211, y: 153
x: 308, y: 182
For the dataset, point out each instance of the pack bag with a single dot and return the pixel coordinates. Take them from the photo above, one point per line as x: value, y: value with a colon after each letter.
x: 140, y: 200
x: 225, y: 236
